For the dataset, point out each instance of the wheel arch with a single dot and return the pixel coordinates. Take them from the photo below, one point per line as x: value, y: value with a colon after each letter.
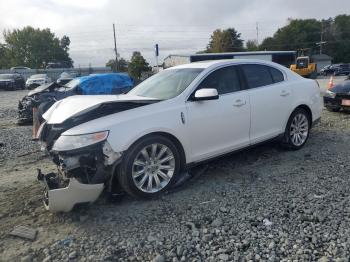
x: 302, y: 106
x: 307, y: 109
x: 173, y: 139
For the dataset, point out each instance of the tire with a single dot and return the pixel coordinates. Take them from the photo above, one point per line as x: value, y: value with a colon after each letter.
x: 298, y: 121
x: 134, y: 173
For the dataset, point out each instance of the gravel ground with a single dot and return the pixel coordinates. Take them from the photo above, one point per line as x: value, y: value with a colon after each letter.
x: 262, y: 204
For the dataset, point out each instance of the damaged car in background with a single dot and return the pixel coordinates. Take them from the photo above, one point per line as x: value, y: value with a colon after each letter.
x: 338, y: 97
x: 66, y: 77
x: 37, y: 80
x: 140, y: 143
x: 46, y: 95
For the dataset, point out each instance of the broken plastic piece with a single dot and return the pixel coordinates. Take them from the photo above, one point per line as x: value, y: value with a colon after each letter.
x: 24, y: 232
x: 64, y: 199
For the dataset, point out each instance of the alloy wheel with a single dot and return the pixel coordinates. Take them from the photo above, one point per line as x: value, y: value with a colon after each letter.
x: 153, y: 168
x: 299, y: 129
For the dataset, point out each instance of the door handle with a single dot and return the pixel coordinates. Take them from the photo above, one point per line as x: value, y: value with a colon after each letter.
x: 239, y: 103
x: 284, y: 93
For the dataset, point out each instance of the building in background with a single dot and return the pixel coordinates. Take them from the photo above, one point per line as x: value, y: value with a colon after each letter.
x: 321, y: 60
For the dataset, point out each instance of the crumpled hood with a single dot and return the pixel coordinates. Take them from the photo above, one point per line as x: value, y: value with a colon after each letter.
x: 78, y: 105
x: 40, y: 89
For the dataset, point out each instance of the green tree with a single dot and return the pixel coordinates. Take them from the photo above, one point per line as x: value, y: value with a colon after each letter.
x: 3, y: 56
x: 252, y: 45
x: 137, y: 65
x: 64, y: 43
x: 269, y: 43
x: 228, y: 40
x: 340, y: 46
x: 122, y: 65
x: 306, y: 33
x: 34, y: 47
x: 298, y: 34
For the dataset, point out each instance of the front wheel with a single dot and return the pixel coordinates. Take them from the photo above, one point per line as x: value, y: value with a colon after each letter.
x: 149, y: 167
x: 297, y: 129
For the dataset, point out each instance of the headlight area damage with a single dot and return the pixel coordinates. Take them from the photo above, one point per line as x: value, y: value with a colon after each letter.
x: 81, y: 177
x: 86, y: 163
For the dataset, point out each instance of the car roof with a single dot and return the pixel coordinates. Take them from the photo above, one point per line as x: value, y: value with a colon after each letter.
x: 209, y: 63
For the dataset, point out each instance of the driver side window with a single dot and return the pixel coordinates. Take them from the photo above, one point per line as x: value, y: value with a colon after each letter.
x: 224, y: 80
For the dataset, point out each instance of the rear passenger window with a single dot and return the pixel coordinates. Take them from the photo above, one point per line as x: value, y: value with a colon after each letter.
x: 277, y: 75
x: 225, y: 80
x: 257, y: 75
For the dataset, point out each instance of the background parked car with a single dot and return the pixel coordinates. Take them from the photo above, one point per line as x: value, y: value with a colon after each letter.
x: 65, y: 77
x: 45, y: 95
x: 11, y: 81
x: 37, y: 80
x: 328, y: 70
x: 343, y: 69
x: 19, y: 69
x: 338, y: 97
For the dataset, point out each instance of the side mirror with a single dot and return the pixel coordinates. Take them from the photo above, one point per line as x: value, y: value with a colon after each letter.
x: 206, y: 94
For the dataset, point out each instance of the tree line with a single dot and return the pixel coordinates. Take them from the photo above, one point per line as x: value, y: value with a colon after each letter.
x: 33, y: 48
x: 333, y: 34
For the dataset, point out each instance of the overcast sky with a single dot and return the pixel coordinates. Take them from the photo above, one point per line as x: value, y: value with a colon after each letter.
x: 179, y: 26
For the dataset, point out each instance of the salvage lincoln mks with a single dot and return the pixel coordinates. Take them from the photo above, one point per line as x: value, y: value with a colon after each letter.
x: 142, y: 141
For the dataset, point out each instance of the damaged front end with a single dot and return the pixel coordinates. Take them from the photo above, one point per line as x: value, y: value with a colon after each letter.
x: 83, y: 170
x: 25, y: 110
x: 86, y: 163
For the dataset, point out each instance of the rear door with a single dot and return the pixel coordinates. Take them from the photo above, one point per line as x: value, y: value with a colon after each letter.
x: 270, y: 101
x: 218, y: 126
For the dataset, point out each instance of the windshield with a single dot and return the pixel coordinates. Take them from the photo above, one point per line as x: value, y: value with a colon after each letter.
x: 6, y: 76
x: 166, y: 84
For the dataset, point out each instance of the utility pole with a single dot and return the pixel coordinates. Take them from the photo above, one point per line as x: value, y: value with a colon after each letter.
x: 115, y: 49
x: 156, y: 52
x: 257, y: 33
x: 321, y: 40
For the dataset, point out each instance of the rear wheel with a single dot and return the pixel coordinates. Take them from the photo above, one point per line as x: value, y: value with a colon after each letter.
x: 297, y: 129
x: 149, y: 167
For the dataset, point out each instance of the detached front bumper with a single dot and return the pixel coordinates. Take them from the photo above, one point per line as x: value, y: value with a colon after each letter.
x: 63, y: 199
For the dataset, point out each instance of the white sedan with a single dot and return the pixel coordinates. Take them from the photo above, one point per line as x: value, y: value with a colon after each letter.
x: 142, y: 141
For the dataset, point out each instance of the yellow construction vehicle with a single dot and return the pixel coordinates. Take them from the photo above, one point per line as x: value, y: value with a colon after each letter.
x: 304, y: 66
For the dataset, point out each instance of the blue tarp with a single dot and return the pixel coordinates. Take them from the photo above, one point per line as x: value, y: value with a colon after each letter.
x: 113, y: 83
